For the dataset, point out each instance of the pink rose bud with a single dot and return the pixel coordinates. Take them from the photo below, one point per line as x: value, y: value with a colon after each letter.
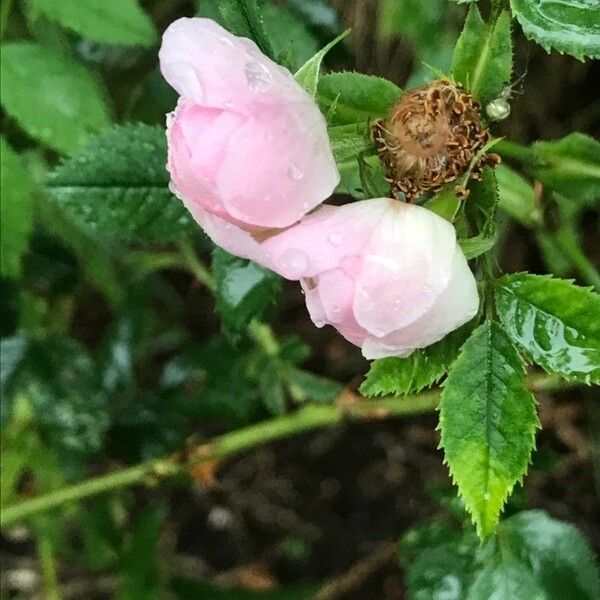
x: 246, y: 142
x: 389, y: 276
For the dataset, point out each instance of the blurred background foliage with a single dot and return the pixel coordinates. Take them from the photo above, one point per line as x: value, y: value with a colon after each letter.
x: 113, y: 352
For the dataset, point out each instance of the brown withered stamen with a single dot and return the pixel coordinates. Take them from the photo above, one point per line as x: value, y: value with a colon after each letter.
x: 430, y: 137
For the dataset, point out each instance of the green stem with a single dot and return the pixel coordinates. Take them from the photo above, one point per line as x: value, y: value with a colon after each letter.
x: 263, y: 335
x: 514, y: 150
x: 194, y: 264
x: 46, y: 556
x: 568, y: 243
x: 308, y: 418
x: 354, y: 409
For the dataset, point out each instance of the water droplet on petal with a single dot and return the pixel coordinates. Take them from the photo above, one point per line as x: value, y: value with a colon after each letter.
x: 228, y: 104
x: 257, y: 76
x: 170, y: 118
x: 225, y: 41
x: 335, y: 239
x: 294, y: 262
x: 295, y: 173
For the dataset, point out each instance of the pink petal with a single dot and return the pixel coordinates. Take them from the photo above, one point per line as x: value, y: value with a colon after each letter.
x: 457, y: 304
x: 406, y: 265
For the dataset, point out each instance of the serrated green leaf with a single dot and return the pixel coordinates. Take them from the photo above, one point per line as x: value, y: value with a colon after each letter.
x: 516, y: 197
x: 481, y: 212
x: 555, y: 322
x: 107, y: 21
x: 487, y: 421
x: 505, y: 578
x: 348, y: 141
x: 244, y: 290
x: 558, y: 555
x: 244, y: 18
x: 16, y: 212
x: 372, y: 179
x: 355, y: 97
x: 52, y: 97
x: 482, y: 59
x: 289, y: 35
x: 569, y: 166
x: 423, y: 368
x: 570, y: 26
x: 308, y: 74
x: 445, y: 203
x: 118, y: 185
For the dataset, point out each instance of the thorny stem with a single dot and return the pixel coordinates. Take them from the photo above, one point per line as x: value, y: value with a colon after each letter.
x: 348, y: 408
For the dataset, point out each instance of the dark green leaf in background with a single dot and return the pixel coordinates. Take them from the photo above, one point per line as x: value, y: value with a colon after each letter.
x: 53, y: 98
x: 108, y: 21
x: 423, y: 368
x: 118, y: 185
x: 555, y: 322
x: 516, y: 197
x: 569, y: 26
x: 558, y: 555
x: 487, y: 421
x: 482, y: 59
x: 244, y: 290
x: 569, y: 166
x: 16, y: 210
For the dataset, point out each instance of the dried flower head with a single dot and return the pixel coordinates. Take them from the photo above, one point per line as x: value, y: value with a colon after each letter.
x: 430, y: 137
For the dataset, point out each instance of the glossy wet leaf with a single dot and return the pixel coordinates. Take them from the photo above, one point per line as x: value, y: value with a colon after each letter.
x: 505, y: 578
x: 349, y: 97
x: 555, y: 322
x: 67, y: 105
x: 308, y: 74
x: 482, y: 59
x: 438, y: 561
x: 244, y: 290
x: 487, y: 421
x: 556, y: 552
x: 108, y: 21
x: 16, y: 211
x: 569, y: 26
x: 58, y: 379
x: 569, y: 166
x: 423, y: 368
x: 118, y: 186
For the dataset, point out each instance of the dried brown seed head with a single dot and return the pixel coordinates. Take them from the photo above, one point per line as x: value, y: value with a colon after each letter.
x: 430, y: 137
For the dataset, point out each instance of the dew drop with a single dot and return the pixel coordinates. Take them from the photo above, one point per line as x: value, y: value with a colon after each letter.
x: 257, y: 76
x: 295, y: 173
x: 294, y: 262
x: 335, y: 239
x: 225, y: 41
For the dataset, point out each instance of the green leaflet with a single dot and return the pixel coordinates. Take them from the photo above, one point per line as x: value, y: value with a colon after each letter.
x: 67, y: 104
x: 516, y: 197
x: 555, y: 322
x: 571, y: 26
x: 16, y: 212
x: 107, y: 21
x: 559, y: 556
x: 349, y: 97
x: 423, y: 368
x: 569, y: 166
x: 244, y: 18
x: 244, y: 290
x: 308, y: 74
x: 482, y: 59
x: 117, y: 184
x: 487, y: 421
